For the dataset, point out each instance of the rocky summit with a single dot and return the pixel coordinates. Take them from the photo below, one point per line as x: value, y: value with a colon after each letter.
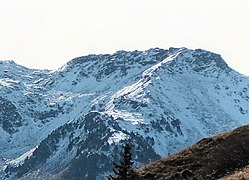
x: 71, y: 123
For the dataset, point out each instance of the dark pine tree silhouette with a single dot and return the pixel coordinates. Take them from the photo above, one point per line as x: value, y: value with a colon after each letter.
x: 124, y: 170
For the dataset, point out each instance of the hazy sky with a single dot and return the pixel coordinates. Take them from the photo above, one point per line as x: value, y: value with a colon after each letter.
x: 48, y: 33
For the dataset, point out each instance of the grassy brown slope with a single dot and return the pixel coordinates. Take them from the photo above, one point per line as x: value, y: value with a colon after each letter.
x: 242, y: 174
x: 210, y: 158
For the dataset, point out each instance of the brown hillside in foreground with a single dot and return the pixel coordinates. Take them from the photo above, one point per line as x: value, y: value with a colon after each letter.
x: 242, y: 174
x: 210, y: 158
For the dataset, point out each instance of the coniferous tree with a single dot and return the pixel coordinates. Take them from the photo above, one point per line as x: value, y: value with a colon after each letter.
x: 124, y: 170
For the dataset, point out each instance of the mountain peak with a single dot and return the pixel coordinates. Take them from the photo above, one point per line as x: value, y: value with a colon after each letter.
x: 7, y: 62
x: 203, y: 58
x: 80, y: 115
x: 199, y: 61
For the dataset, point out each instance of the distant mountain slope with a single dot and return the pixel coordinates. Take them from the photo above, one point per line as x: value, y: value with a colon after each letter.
x: 71, y: 122
x: 210, y: 158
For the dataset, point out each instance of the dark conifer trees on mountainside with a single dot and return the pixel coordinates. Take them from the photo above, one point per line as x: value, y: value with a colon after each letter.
x: 124, y: 170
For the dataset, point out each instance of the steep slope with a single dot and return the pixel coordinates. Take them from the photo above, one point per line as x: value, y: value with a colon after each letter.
x: 241, y: 173
x: 74, y: 120
x: 210, y: 158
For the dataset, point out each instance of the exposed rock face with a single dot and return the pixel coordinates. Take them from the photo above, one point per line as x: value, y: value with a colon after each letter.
x: 10, y: 119
x: 73, y: 121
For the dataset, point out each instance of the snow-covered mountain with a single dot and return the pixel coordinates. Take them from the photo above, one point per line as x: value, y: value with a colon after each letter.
x: 70, y: 123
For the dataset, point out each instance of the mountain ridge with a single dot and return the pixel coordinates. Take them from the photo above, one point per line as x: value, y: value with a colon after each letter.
x: 161, y: 100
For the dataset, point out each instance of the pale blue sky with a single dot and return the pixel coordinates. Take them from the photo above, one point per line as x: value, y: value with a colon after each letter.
x: 48, y: 33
